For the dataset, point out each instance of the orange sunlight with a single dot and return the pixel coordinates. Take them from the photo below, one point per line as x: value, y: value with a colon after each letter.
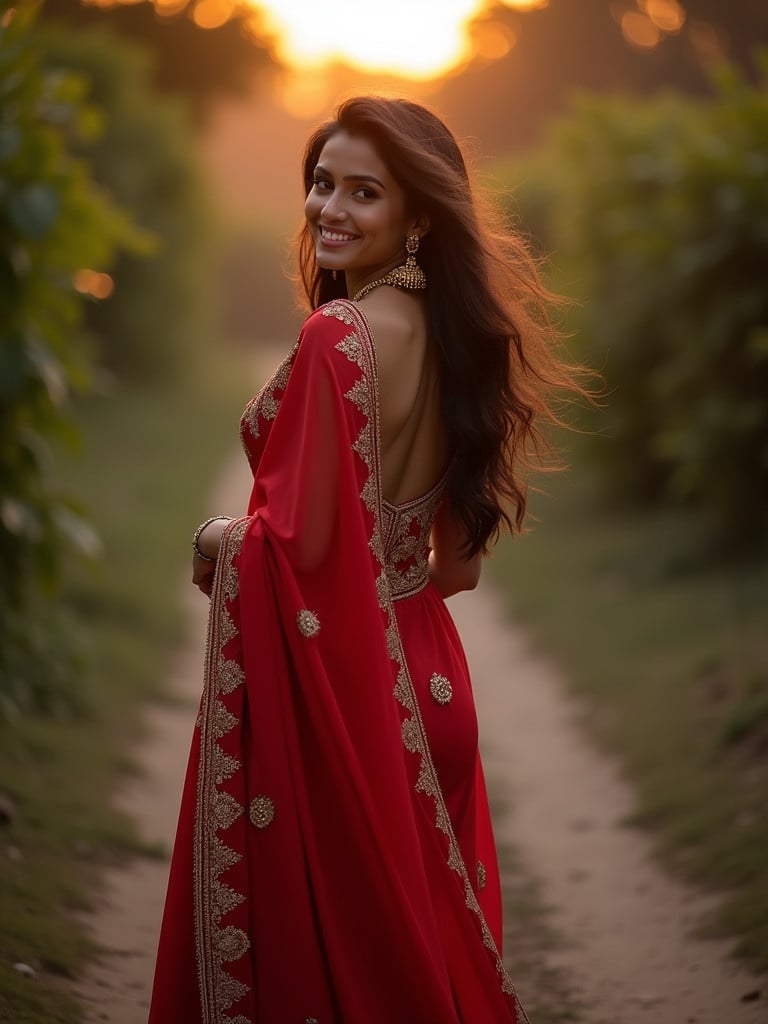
x: 416, y: 39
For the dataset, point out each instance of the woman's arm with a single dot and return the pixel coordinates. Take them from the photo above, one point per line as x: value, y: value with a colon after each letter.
x: 208, y: 544
x: 449, y: 570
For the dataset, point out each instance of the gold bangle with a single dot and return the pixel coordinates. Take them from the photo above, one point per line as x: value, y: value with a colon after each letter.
x: 199, y: 530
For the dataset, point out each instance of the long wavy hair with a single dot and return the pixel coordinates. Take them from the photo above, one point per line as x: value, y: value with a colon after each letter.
x: 488, y: 313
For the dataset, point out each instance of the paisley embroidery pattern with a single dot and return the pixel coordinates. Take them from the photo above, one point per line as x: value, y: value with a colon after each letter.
x: 358, y: 347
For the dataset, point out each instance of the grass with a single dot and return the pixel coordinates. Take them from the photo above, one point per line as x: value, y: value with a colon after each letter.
x: 671, y: 652
x: 148, y: 462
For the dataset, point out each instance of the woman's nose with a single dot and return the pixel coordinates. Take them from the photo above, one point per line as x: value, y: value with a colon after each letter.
x: 334, y: 210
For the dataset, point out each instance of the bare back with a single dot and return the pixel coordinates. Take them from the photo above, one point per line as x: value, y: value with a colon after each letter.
x: 414, y: 450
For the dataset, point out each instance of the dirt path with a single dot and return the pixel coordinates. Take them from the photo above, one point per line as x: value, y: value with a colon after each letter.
x: 626, y: 955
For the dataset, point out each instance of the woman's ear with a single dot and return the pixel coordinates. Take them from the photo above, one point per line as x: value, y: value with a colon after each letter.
x: 421, y: 225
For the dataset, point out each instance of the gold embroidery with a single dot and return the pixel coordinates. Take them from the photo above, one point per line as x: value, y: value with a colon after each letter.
x: 265, y: 404
x: 217, y: 810
x: 262, y: 811
x: 224, y: 899
x: 440, y: 688
x: 364, y: 397
x: 482, y: 875
x: 225, y: 810
x: 308, y: 623
x: 228, y: 990
x: 410, y: 735
x: 223, y: 720
x: 232, y: 943
x: 406, y: 530
x: 339, y: 310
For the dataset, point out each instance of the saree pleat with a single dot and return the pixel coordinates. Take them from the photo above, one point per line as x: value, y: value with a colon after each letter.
x: 321, y: 874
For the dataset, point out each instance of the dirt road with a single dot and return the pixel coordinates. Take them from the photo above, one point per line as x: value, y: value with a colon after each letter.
x: 625, y: 953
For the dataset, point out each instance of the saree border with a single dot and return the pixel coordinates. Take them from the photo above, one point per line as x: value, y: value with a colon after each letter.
x: 359, y: 348
x: 216, y: 810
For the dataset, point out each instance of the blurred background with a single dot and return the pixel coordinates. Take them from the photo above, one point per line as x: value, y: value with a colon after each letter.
x: 149, y: 190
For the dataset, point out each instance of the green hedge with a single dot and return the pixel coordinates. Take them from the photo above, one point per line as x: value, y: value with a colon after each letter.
x: 657, y: 211
x: 54, y: 222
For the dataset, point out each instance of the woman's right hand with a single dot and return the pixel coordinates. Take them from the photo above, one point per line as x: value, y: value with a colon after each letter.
x: 209, y: 542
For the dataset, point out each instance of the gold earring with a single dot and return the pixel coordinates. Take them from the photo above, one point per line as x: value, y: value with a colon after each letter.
x: 409, y: 275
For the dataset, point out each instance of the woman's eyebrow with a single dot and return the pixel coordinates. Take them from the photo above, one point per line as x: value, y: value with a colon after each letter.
x: 319, y: 169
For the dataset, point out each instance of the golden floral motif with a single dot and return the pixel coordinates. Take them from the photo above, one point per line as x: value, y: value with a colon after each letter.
x: 482, y: 875
x: 308, y: 623
x: 232, y: 943
x: 262, y: 811
x: 440, y: 688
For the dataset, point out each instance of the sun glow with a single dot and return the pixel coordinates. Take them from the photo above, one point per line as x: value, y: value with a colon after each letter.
x: 417, y: 39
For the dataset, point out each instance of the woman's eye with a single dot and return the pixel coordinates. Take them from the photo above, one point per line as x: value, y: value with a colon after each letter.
x: 365, y: 193
x: 321, y: 184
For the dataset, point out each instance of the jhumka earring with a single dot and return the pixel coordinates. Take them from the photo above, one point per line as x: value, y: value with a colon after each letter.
x: 334, y: 274
x: 409, y: 275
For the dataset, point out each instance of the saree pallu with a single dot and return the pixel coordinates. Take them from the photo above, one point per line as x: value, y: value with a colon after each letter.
x: 334, y: 862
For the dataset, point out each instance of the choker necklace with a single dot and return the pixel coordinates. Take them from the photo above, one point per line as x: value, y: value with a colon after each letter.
x: 374, y: 284
x: 408, y: 275
x: 393, y: 278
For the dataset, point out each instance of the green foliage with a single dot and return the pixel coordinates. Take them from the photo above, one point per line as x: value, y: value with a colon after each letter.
x: 660, y: 214
x: 144, y: 156
x: 54, y: 222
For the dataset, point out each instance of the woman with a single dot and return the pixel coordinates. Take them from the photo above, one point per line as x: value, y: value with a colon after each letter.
x: 335, y: 860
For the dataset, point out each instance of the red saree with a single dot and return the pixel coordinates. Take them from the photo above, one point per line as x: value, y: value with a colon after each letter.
x: 334, y: 862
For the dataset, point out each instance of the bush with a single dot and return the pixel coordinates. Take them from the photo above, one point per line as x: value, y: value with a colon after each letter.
x: 54, y: 223
x: 660, y: 211
x: 145, y: 157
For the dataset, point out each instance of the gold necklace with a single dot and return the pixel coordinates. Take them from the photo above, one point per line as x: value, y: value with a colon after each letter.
x: 374, y: 284
x: 408, y: 275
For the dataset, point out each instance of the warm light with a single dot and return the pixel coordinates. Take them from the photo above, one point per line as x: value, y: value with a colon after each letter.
x: 168, y: 8
x: 525, y: 5
x: 667, y: 15
x: 639, y: 30
x: 306, y: 95
x: 93, y: 283
x: 418, y: 40
x: 491, y: 40
x: 212, y: 13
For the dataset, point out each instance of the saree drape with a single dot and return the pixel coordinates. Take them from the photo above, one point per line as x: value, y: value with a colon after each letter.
x: 326, y: 864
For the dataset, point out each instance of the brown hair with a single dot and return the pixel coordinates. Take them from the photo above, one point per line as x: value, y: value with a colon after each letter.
x: 487, y: 308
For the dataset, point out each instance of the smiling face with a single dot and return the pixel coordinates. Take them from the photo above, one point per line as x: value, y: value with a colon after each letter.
x: 356, y: 211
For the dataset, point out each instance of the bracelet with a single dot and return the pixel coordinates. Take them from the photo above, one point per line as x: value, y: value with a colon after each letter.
x: 199, y: 530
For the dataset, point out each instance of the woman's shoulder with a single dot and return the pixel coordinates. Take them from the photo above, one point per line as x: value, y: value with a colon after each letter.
x: 328, y: 323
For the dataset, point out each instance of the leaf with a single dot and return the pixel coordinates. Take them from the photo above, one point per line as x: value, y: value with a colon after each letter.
x: 33, y: 210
